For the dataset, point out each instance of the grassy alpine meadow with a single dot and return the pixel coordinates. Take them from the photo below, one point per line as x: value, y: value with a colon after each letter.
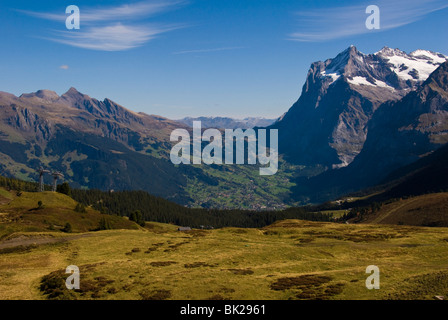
x: 290, y: 259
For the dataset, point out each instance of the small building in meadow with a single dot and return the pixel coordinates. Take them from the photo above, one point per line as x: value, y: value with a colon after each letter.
x: 183, y: 229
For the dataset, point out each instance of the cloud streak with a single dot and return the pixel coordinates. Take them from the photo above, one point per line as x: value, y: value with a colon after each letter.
x: 123, y: 12
x: 207, y: 50
x: 112, y: 28
x: 116, y: 37
x: 339, y: 22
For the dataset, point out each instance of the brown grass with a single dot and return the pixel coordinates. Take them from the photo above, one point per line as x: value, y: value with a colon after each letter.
x: 241, y: 272
x: 198, y: 264
x: 53, y: 286
x: 162, y: 263
x: 155, y: 295
x: 309, y: 287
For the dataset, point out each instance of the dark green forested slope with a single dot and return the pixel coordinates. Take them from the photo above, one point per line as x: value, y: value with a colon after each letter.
x: 158, y: 209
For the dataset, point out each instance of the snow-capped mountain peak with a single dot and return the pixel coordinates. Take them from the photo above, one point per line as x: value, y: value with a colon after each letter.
x: 389, y: 52
x: 392, y: 71
x: 341, y: 94
x: 414, y: 67
x: 389, y: 68
x: 334, y: 68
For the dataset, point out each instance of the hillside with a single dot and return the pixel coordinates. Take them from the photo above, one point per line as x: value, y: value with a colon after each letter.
x: 426, y: 210
x: 427, y: 175
x: 22, y: 213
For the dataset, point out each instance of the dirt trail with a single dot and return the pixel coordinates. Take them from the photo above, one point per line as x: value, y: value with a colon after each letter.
x: 37, y: 240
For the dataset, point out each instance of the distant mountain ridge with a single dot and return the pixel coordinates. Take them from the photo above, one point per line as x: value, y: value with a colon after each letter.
x: 81, y: 112
x: 228, y: 123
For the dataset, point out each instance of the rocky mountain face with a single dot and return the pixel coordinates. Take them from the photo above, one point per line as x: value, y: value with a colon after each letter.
x: 406, y: 130
x: 85, y: 114
x: 399, y: 134
x: 328, y: 125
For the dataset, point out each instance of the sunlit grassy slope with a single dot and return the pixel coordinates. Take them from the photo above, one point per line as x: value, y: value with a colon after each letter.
x: 291, y: 259
x: 425, y: 210
x: 22, y: 214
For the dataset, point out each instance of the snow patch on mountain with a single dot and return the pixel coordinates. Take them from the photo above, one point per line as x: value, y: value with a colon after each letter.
x: 332, y: 74
x: 363, y: 81
x: 415, y: 67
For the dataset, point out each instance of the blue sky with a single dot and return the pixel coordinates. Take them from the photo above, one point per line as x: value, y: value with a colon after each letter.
x: 199, y: 57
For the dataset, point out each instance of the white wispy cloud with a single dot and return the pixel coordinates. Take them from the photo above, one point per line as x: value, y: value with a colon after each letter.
x: 136, y: 10
x: 116, y: 37
x: 333, y: 23
x: 112, y: 28
x: 64, y: 67
x: 207, y: 50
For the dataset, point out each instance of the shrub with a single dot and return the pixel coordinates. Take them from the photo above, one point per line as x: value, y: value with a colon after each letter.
x: 80, y: 208
x: 40, y: 205
x: 53, y: 286
x: 155, y: 295
x: 67, y: 228
x: 104, y: 224
x: 137, y: 217
x: 64, y: 188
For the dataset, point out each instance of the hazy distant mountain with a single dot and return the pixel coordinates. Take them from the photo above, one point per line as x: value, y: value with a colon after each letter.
x: 328, y: 124
x: 228, y: 123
